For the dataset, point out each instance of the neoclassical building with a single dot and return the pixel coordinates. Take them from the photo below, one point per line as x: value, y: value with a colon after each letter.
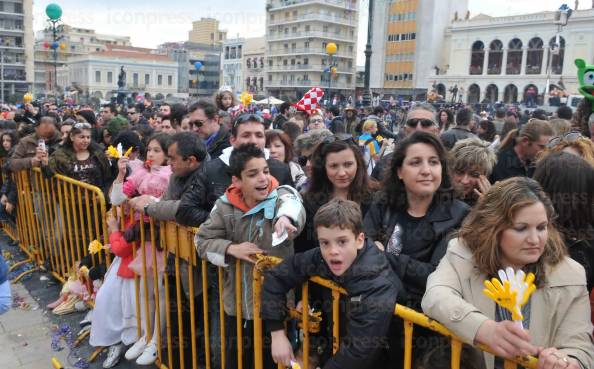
x: 501, y: 58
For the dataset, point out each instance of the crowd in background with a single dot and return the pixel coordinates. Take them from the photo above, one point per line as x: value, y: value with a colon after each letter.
x: 444, y: 192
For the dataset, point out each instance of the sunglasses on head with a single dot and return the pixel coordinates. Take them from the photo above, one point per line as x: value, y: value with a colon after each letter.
x: 248, y: 118
x: 568, y: 137
x: 425, y: 123
x: 82, y: 126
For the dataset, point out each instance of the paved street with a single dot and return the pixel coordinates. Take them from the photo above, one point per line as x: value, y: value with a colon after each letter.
x: 26, y: 330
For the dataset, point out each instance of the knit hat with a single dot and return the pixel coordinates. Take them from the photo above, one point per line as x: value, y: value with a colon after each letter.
x: 117, y: 124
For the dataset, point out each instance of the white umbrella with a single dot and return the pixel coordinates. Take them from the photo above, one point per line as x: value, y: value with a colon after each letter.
x: 270, y: 100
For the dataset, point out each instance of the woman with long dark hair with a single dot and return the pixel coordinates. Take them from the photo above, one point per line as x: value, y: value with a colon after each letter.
x: 569, y: 182
x: 411, y: 220
x: 413, y: 215
x: 82, y: 159
x: 338, y: 170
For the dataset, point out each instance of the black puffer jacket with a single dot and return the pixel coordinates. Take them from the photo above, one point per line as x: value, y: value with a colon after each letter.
x: 372, y: 289
x: 210, y: 184
x: 425, y: 246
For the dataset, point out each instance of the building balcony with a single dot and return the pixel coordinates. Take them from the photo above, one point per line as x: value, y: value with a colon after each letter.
x: 11, y: 14
x: 284, y: 4
x: 307, y: 83
x: 347, y: 21
x: 306, y: 68
x: 308, y: 51
x: 333, y: 36
x: 12, y: 30
x: 13, y: 47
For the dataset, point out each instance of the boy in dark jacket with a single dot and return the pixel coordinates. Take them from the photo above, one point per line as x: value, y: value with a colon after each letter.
x: 359, y: 267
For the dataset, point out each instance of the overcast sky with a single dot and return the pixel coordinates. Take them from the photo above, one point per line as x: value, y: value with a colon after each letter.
x: 151, y: 22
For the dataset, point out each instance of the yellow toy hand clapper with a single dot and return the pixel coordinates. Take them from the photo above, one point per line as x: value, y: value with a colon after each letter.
x: 511, y: 291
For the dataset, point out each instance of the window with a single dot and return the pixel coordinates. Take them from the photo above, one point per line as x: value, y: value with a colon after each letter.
x: 212, y: 36
x: 147, y: 79
x: 293, y: 46
x: 109, y: 77
x: 307, y: 28
x: 325, y: 28
x: 160, y: 80
x: 285, y: 62
x: 135, y: 80
x: 98, y: 76
x: 169, y: 80
x: 294, y: 29
x: 306, y: 44
x: 305, y: 61
x: 270, y: 78
x: 292, y: 61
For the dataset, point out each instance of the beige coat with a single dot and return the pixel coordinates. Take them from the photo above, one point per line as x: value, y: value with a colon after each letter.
x: 559, y: 311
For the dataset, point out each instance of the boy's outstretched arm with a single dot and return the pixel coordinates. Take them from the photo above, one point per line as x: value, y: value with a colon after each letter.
x: 278, y: 281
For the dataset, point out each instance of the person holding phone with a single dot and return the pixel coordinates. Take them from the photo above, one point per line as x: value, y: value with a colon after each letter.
x: 34, y: 149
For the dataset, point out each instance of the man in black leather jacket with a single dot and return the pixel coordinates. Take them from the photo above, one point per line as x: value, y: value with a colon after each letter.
x: 213, y: 178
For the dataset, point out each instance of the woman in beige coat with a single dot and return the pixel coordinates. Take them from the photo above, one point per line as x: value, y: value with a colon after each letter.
x: 512, y: 227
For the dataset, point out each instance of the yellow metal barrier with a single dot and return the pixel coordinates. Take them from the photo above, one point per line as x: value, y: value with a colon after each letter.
x: 58, y: 217
x: 410, y: 317
x: 56, y: 220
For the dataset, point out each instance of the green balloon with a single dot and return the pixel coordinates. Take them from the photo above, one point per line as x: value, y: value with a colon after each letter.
x: 53, y: 11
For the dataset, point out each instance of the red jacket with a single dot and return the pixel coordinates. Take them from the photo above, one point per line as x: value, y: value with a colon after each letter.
x: 123, y: 249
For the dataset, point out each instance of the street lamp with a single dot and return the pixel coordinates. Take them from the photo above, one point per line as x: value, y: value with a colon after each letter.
x: 366, y: 89
x: 331, y: 50
x: 561, y: 18
x: 54, y: 14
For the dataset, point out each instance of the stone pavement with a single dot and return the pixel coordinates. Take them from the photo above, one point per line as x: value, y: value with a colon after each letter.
x: 26, y: 333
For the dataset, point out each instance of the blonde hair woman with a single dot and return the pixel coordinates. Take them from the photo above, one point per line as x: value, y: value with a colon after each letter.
x: 512, y: 226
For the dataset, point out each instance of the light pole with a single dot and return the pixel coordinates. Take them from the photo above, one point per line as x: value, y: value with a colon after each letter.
x: 2, y: 73
x: 331, y: 50
x: 54, y: 14
x: 366, y: 90
x: 561, y: 17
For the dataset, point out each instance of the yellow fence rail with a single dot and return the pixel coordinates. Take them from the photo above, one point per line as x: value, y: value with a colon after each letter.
x: 180, y: 305
x: 56, y: 220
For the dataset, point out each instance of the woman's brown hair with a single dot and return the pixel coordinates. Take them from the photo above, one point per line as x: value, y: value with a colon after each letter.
x: 494, y: 213
x: 277, y: 134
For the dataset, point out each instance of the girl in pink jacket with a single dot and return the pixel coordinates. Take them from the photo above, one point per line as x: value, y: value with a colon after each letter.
x: 114, y: 316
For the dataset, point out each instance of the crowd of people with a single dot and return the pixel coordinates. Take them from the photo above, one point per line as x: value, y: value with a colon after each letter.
x: 416, y: 206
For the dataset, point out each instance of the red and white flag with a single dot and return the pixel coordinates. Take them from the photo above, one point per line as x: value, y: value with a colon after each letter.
x: 311, y: 100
